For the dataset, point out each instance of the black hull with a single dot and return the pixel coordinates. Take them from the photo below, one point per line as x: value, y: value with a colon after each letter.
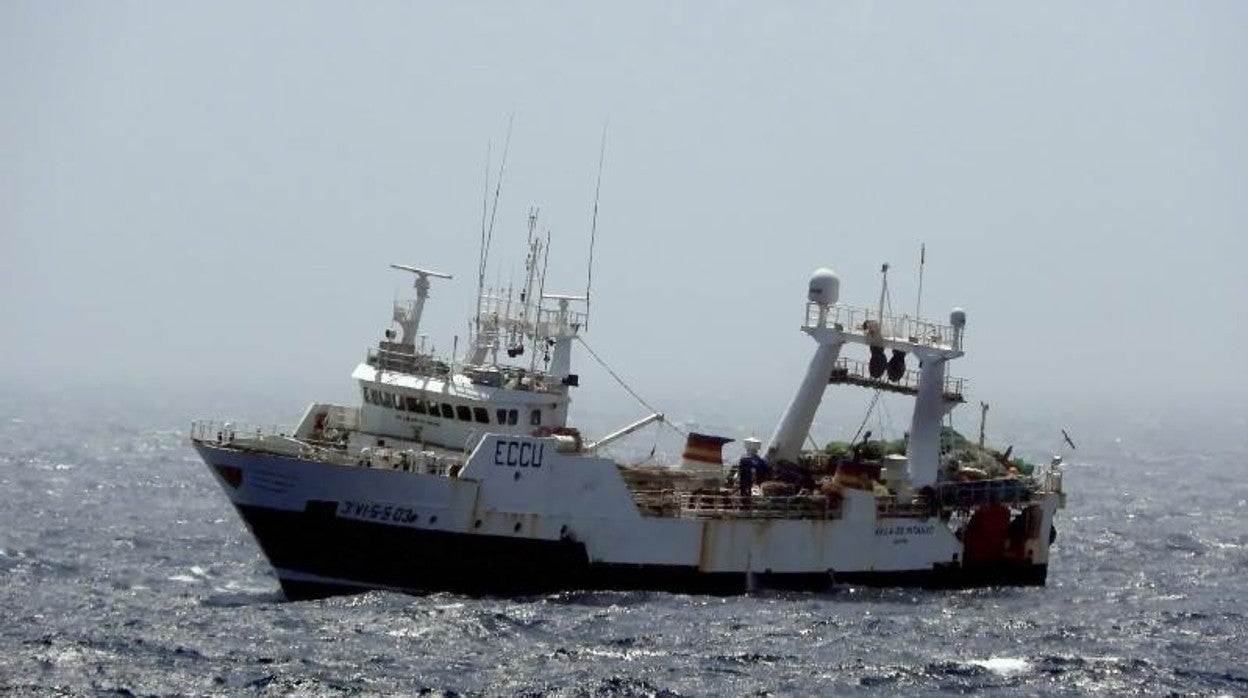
x: 318, y: 555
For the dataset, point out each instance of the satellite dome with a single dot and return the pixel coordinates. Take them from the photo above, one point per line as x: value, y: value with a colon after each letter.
x: 825, y: 287
x: 958, y: 317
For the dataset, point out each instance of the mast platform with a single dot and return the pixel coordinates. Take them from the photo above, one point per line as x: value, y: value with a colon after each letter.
x: 853, y: 372
x: 871, y: 328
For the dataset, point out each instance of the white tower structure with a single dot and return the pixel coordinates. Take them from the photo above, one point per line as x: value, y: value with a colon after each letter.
x: 930, y: 405
x: 561, y: 333
x: 822, y: 294
x: 832, y: 326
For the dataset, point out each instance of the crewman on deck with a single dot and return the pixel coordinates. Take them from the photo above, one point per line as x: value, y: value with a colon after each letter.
x: 751, y: 468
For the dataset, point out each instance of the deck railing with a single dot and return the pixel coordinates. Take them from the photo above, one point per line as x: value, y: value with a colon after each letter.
x: 273, y: 439
x: 856, y: 372
x: 511, y: 313
x: 399, y: 360
x: 898, y: 327
x: 724, y: 505
x: 964, y: 495
x: 277, y: 441
x: 226, y: 430
x: 727, y: 505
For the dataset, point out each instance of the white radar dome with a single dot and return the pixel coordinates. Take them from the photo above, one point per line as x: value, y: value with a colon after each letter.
x: 825, y: 287
x: 958, y: 317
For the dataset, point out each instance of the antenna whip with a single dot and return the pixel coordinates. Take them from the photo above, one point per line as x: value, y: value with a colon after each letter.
x: 489, y: 237
x: 593, y: 226
x: 918, y: 304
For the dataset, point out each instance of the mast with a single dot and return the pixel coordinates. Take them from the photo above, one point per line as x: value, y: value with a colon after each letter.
x: 832, y: 326
x: 786, y: 443
x: 410, y: 321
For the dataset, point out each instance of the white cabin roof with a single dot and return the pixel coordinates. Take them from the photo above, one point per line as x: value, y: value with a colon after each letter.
x: 461, y: 387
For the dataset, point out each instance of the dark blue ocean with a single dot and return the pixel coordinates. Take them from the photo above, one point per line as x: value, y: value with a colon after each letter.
x: 123, y: 571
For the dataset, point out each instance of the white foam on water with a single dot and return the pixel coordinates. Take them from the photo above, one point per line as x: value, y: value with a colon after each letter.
x: 1005, y: 666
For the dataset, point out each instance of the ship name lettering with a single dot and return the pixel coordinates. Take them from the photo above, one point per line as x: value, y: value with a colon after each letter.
x: 521, y: 454
x: 372, y: 511
x: 906, y: 530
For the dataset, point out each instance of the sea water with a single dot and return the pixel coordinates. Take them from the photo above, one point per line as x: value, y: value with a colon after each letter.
x: 123, y: 570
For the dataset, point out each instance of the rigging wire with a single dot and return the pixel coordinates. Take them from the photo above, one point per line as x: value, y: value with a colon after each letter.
x: 653, y: 450
x: 867, y: 416
x: 625, y: 386
x: 886, y: 419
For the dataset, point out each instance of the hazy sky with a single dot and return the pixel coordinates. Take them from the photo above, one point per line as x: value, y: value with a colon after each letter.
x: 202, y: 197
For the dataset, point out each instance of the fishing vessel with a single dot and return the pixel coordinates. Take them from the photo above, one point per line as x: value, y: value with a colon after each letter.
x: 463, y: 473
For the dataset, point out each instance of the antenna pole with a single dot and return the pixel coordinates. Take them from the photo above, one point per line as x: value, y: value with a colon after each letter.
x: 918, y: 304
x: 485, y: 207
x: 593, y: 226
x: 883, y: 293
x: 489, y: 234
x: 983, y: 417
x: 537, y: 312
x: 446, y: 385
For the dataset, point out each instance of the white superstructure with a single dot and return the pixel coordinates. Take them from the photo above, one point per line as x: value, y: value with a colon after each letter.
x: 513, y: 379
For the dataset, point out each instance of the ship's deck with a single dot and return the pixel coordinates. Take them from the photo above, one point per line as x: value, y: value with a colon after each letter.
x: 657, y: 492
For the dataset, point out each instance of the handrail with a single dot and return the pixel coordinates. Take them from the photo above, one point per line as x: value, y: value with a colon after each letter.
x: 415, y: 363
x: 223, y: 430
x: 856, y: 372
x: 506, y: 312
x: 965, y: 494
x: 273, y: 440
x: 725, y: 505
x: 896, y: 327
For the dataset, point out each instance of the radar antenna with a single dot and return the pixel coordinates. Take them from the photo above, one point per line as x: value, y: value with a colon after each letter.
x: 410, y: 320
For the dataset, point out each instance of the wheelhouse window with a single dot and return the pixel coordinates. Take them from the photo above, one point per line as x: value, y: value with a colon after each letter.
x: 448, y: 412
x: 481, y: 415
x: 415, y: 405
x: 463, y: 413
x: 502, y: 416
x: 513, y: 416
